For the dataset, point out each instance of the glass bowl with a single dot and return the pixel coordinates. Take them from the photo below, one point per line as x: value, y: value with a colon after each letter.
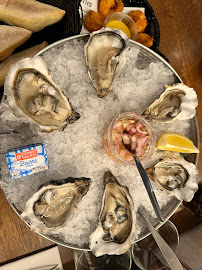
x: 112, y: 138
x: 147, y: 255
x: 126, y: 20
x: 86, y: 260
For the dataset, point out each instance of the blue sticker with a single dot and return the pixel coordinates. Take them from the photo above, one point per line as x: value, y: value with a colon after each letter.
x: 26, y: 160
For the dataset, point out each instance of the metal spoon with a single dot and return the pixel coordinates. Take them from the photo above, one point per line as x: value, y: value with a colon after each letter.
x: 167, y: 252
x: 146, y: 182
x: 22, y: 130
x: 11, y: 132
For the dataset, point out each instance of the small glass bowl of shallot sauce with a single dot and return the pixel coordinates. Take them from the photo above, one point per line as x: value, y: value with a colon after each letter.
x: 135, y: 131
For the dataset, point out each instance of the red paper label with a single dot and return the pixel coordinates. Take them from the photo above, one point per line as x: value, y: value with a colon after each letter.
x: 26, y: 155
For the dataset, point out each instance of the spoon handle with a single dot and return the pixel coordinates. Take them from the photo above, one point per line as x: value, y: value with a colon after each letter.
x: 7, y: 131
x: 149, y: 189
x: 169, y: 255
x: 11, y: 132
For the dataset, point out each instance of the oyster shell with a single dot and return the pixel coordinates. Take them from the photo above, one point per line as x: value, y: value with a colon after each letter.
x: 176, y: 102
x: 32, y: 94
x: 105, y: 58
x: 55, y: 203
x: 176, y: 176
x: 116, y: 229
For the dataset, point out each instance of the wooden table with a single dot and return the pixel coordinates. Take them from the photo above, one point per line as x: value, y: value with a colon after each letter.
x: 181, y: 42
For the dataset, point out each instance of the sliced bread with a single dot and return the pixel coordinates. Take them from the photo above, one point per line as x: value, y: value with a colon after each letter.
x: 11, y: 37
x: 29, y: 14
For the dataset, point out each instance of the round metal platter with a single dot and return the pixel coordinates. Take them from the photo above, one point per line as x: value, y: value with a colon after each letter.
x: 147, y: 55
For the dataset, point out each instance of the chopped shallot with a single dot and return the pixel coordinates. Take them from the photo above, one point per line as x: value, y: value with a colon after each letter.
x: 133, y: 133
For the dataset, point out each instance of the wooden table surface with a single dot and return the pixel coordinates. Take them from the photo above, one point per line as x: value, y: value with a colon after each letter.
x: 181, y: 41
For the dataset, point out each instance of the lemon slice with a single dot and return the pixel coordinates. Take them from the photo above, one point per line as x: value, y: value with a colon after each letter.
x: 119, y: 25
x: 176, y: 142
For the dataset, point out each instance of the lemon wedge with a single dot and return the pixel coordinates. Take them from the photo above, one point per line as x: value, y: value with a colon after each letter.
x: 119, y: 25
x: 177, y: 143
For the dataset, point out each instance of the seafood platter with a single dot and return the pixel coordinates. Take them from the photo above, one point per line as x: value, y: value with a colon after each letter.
x: 70, y: 107
x: 86, y: 93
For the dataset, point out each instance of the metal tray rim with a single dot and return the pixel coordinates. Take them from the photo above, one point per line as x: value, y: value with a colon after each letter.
x: 178, y: 203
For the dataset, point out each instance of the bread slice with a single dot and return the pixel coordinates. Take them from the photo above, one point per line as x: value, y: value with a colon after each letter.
x: 29, y: 14
x: 11, y: 37
x: 5, y: 65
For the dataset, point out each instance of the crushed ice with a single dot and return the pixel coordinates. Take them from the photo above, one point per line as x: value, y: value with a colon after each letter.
x: 78, y: 151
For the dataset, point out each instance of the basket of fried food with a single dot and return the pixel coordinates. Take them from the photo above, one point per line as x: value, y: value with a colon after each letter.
x: 94, y: 21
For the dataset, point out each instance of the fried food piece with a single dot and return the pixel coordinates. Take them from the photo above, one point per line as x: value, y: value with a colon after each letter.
x: 145, y: 39
x: 93, y: 21
x: 106, y: 7
x: 140, y: 20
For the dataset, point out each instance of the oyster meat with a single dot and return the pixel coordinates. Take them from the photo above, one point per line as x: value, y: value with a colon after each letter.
x: 105, y: 58
x: 32, y: 94
x: 176, y: 176
x: 116, y: 229
x: 55, y: 203
x: 176, y: 102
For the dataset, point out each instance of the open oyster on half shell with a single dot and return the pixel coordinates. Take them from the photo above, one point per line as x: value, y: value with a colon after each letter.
x: 176, y: 176
x: 176, y: 102
x: 55, y: 203
x: 32, y: 94
x: 105, y: 58
x: 115, y: 232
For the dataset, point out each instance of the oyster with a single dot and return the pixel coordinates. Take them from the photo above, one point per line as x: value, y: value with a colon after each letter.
x: 176, y: 102
x: 32, y: 94
x: 105, y: 58
x: 55, y: 202
x: 116, y: 229
x: 176, y: 176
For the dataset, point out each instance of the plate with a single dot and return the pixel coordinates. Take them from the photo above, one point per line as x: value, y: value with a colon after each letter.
x: 149, y: 56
